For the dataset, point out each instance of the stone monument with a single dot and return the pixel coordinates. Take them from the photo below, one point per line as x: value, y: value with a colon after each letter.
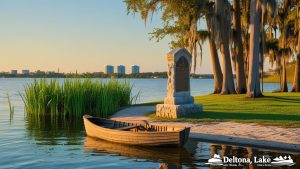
x: 178, y: 101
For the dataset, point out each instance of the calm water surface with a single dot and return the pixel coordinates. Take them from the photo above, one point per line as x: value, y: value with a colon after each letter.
x: 52, y: 143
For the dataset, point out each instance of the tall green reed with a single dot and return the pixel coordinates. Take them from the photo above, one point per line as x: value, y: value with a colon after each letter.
x: 11, y: 108
x: 76, y: 97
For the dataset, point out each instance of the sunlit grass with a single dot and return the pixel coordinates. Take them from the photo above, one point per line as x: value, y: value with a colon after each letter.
x: 276, y: 79
x: 76, y: 97
x: 281, y: 109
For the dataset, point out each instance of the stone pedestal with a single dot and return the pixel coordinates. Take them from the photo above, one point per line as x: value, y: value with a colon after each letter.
x: 179, y: 101
x: 176, y: 111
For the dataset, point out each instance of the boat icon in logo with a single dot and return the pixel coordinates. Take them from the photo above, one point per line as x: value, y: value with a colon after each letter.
x: 280, y: 161
x: 216, y: 160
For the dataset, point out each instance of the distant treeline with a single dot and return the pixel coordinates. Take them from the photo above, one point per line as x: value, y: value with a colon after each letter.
x: 96, y: 75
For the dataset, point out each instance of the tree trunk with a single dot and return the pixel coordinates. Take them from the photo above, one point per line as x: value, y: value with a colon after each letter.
x: 224, y: 26
x: 238, y: 51
x: 253, y: 88
x: 215, y: 66
x: 283, y: 83
x: 250, y: 156
x: 228, y: 83
x: 246, y: 5
x: 296, y: 83
x: 263, y: 44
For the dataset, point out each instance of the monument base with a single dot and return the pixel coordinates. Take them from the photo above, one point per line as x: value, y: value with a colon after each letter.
x: 175, y: 111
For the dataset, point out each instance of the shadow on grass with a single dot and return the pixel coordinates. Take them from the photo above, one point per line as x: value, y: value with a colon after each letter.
x: 282, y: 99
x: 243, y: 116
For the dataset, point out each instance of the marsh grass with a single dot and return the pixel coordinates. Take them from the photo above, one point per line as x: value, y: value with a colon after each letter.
x: 11, y: 108
x: 76, y: 97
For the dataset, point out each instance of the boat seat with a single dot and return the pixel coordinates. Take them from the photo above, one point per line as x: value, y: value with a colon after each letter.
x: 126, y: 128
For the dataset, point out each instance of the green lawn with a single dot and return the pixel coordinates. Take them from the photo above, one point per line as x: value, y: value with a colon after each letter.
x: 281, y: 109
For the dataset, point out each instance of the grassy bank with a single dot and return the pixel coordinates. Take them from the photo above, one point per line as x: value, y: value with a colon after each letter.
x: 290, y: 70
x: 76, y: 97
x: 281, y: 109
x: 276, y: 79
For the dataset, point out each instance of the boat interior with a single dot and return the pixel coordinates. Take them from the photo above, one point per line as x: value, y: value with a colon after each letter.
x: 133, y: 125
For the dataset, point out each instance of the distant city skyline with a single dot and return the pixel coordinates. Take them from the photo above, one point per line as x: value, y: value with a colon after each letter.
x: 121, y: 69
x: 80, y: 36
x: 107, y: 69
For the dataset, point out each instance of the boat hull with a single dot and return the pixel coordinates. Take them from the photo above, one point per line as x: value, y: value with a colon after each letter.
x: 166, y: 135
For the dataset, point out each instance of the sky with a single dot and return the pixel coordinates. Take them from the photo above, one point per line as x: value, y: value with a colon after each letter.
x: 79, y: 35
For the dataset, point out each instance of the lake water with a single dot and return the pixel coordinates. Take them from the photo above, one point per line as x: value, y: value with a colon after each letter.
x: 28, y: 143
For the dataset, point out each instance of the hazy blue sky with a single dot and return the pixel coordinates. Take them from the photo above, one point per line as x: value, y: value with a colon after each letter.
x: 78, y: 35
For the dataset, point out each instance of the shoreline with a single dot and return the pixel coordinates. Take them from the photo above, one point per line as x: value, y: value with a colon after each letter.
x: 243, y: 134
x: 96, y: 77
x: 246, y: 142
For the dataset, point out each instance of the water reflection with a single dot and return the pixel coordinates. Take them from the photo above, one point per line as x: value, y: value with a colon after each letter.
x: 248, y: 152
x: 49, y: 132
x: 168, y: 157
x: 194, y: 155
x: 54, y: 131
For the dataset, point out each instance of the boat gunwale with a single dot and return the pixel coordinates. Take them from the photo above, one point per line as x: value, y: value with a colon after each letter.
x: 87, y: 117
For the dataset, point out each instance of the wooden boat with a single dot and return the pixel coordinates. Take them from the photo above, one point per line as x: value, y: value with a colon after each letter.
x: 135, y: 132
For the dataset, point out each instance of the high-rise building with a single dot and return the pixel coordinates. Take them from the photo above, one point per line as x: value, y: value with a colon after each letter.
x: 14, y: 72
x: 135, y: 69
x: 121, y: 69
x: 109, y: 69
x: 25, y: 72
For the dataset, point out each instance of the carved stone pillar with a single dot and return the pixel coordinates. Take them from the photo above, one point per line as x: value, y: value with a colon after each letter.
x: 179, y: 101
